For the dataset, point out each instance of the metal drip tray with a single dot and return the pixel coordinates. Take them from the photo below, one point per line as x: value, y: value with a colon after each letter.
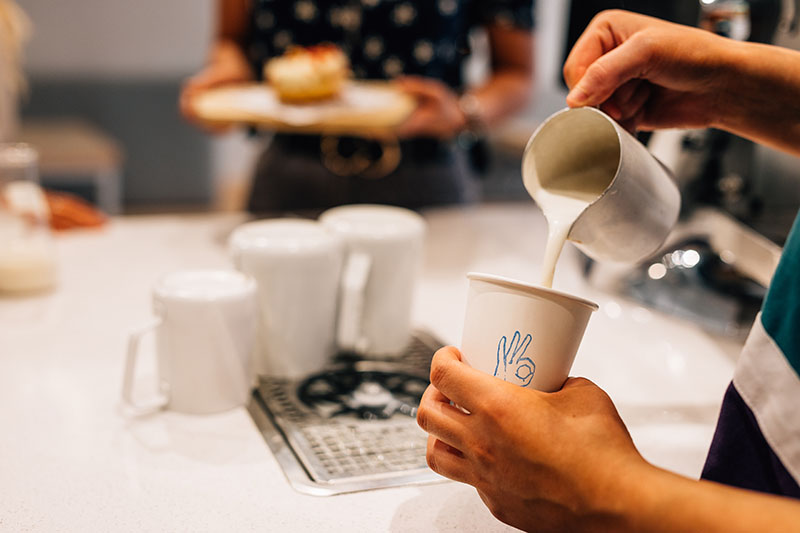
x: 351, y: 427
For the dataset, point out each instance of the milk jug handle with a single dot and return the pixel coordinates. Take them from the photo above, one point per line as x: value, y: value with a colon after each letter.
x: 351, y: 304
x: 128, y: 377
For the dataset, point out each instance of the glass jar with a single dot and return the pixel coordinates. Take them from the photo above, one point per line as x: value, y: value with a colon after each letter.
x: 27, y: 252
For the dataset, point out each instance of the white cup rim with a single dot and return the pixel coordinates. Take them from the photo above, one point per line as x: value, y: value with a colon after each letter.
x: 530, y: 288
x: 237, y: 285
x: 373, y: 221
x: 282, y: 236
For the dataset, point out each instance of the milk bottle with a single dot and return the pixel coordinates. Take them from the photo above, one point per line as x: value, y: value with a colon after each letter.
x: 27, y: 255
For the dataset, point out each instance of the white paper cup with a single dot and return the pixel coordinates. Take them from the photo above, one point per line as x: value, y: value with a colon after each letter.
x: 522, y: 333
x: 297, y: 265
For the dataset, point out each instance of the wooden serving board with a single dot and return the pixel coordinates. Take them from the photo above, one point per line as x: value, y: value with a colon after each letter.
x: 362, y: 108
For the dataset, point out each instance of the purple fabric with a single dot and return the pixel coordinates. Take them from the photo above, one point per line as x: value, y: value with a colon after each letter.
x: 740, y: 456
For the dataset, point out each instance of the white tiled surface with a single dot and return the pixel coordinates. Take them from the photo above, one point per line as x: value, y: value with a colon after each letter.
x: 69, y: 461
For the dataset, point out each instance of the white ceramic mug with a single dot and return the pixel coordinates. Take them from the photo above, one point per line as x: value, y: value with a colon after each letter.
x: 640, y: 204
x: 522, y: 333
x: 297, y: 265
x: 205, y: 334
x: 384, y: 255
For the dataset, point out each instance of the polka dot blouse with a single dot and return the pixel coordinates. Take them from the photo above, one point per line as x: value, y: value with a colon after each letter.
x: 383, y: 38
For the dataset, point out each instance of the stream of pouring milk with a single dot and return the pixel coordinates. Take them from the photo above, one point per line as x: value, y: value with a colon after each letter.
x: 560, y: 208
x: 564, y: 191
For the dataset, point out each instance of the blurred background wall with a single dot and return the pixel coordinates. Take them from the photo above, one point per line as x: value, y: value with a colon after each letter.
x: 119, y: 65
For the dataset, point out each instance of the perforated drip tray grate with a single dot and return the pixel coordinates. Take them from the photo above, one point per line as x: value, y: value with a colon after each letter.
x: 351, y: 427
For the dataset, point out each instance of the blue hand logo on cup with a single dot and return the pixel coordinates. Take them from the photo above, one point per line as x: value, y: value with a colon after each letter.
x: 512, y: 357
x: 510, y: 323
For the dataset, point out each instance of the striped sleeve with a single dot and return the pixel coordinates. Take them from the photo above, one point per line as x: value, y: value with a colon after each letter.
x: 757, y: 441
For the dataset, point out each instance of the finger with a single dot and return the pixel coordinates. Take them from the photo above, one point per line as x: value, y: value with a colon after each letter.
x: 622, y: 95
x: 415, y: 124
x: 617, y: 106
x: 442, y: 420
x: 448, y: 461
x: 608, y: 73
x: 596, y: 40
x: 420, y: 87
x: 583, y: 391
x: 484, y: 497
x: 435, y: 395
x: 186, y: 103
x: 464, y: 385
x: 631, y: 125
x: 577, y: 383
x: 611, y: 109
x: 188, y: 109
x: 634, y: 104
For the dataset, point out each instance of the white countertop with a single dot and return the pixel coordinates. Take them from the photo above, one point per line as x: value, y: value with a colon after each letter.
x: 69, y: 460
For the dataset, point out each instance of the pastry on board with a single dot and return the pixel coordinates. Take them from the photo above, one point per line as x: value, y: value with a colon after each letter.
x: 308, y: 74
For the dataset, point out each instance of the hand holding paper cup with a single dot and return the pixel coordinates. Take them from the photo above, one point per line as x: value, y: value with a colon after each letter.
x: 521, y: 333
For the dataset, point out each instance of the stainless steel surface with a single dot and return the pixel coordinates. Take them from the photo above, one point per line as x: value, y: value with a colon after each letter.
x: 713, y: 271
x: 330, y: 437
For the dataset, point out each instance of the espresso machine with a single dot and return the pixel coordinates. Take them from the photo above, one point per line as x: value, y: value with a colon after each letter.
x: 714, y: 167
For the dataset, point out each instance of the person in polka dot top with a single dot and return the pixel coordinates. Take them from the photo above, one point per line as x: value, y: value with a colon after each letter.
x: 421, y: 45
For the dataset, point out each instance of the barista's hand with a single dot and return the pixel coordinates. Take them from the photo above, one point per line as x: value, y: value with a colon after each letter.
x: 437, y: 115
x: 226, y: 66
x: 648, y: 73
x: 559, y: 461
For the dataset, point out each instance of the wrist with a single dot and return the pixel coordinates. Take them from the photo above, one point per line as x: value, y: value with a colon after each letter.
x: 729, y: 80
x: 473, y: 128
x: 472, y: 112
x: 626, y: 498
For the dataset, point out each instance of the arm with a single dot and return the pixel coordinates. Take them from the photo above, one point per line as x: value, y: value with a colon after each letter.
x: 651, y: 74
x: 564, y: 461
x: 505, y: 92
x: 511, y: 83
x: 226, y: 60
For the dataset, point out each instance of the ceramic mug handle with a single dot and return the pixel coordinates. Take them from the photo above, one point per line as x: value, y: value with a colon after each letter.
x: 130, y: 370
x: 351, y: 305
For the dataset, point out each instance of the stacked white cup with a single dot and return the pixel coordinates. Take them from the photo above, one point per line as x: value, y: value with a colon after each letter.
x: 297, y: 266
x: 344, y: 282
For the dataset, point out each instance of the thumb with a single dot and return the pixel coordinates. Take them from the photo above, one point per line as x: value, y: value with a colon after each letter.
x: 609, y: 72
x: 419, y: 87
